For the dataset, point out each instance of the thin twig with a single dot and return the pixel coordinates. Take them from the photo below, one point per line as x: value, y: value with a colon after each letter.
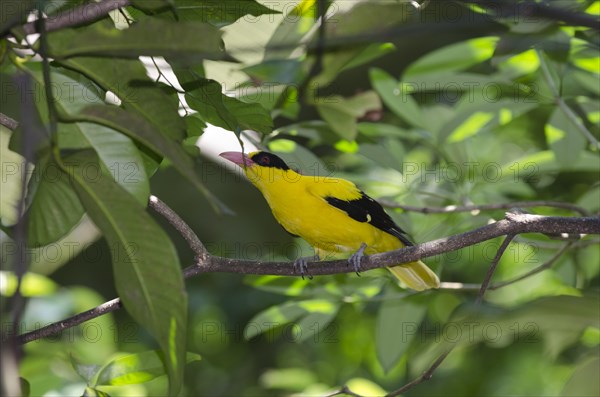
x: 81, y: 15
x: 492, y: 269
x: 562, y: 104
x: 426, y: 375
x: 485, y: 207
x: 513, y: 224
x: 546, y: 265
x: 70, y: 322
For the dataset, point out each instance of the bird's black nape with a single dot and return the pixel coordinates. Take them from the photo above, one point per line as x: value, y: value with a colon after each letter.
x: 266, y: 159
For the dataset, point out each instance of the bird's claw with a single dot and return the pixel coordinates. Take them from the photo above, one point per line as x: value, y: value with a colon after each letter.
x: 356, y: 258
x: 301, y: 265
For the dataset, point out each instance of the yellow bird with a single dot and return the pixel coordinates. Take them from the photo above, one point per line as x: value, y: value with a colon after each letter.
x: 331, y: 214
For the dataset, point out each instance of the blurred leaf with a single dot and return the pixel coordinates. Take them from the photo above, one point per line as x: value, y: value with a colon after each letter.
x: 471, y: 126
x: 146, y: 267
x: 185, y: 40
x: 397, y: 325
x: 365, y: 387
x: 554, y: 316
x: 32, y: 284
x: 455, y: 57
x: 232, y: 114
x: 342, y: 113
x: 288, y: 312
x: 280, y: 71
x: 397, y: 97
x: 564, y: 138
x: 55, y: 208
x: 584, y: 381
x: 290, y: 286
x: 292, y: 379
x: 135, y: 368
x: 86, y: 371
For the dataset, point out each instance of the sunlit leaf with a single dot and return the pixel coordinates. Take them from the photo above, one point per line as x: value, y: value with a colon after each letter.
x: 289, y: 312
x: 397, y: 97
x: 564, y: 138
x: 454, y: 57
x: 32, y: 284
x: 135, y: 368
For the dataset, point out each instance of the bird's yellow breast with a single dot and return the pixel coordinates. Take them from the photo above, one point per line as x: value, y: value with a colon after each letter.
x: 298, y: 203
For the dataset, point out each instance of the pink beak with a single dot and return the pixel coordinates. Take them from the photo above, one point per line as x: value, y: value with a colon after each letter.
x: 238, y: 158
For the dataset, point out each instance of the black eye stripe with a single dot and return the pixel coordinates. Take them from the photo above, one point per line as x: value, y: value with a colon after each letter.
x: 267, y: 159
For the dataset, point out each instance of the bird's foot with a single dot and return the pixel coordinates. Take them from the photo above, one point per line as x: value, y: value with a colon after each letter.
x: 301, y: 265
x: 356, y: 258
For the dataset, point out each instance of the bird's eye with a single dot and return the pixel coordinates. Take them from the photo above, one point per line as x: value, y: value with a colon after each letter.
x: 265, y: 161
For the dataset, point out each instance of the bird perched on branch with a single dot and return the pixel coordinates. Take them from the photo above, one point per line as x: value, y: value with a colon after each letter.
x: 331, y: 214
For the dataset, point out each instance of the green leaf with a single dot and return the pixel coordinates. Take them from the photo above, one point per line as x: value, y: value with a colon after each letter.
x: 214, y: 107
x: 85, y: 371
x: 455, y: 57
x: 135, y: 368
x: 184, y: 40
x: 397, y: 97
x: 584, y: 382
x: 140, y: 129
x: 564, y: 138
x: 127, y: 79
x: 55, y: 208
x: 397, y: 325
x: 32, y: 284
x: 342, y: 113
x: 145, y: 264
x: 288, y: 312
x: 120, y: 157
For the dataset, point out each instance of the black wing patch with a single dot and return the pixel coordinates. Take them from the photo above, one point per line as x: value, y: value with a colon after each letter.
x: 365, y: 209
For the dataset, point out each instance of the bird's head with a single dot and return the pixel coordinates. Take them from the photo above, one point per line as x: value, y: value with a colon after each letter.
x: 260, y: 167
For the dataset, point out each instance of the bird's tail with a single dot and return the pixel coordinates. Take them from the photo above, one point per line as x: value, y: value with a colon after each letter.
x: 416, y: 275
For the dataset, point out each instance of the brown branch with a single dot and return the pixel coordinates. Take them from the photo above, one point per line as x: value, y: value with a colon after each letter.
x: 8, y: 122
x: 425, y: 376
x: 492, y: 269
x: 485, y: 207
x: 81, y: 15
x: 512, y: 224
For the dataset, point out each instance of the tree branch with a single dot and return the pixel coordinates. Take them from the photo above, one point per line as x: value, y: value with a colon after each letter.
x: 8, y: 122
x: 512, y: 224
x: 81, y: 15
x: 426, y: 375
x: 485, y: 207
x: 492, y: 269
